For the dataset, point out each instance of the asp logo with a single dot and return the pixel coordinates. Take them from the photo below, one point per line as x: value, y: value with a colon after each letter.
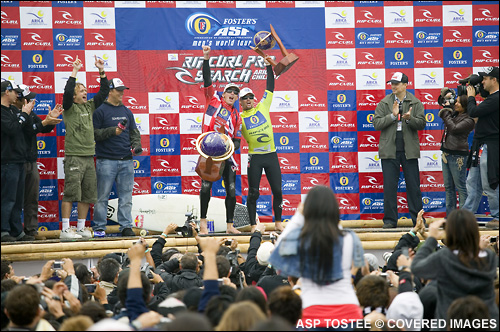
x: 203, y: 24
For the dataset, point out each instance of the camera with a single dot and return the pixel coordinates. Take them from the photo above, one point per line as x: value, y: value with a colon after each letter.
x: 228, y: 242
x: 90, y: 288
x: 445, y: 100
x: 493, y: 239
x: 57, y: 265
x: 186, y: 230
x: 475, y: 81
x: 235, y: 275
x: 147, y: 271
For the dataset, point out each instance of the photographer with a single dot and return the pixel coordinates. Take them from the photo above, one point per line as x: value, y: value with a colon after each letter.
x: 484, y: 166
x: 457, y: 127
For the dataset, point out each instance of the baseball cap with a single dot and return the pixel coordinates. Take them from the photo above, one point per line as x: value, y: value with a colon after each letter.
x: 9, y: 85
x: 232, y: 85
x: 490, y: 71
x: 26, y: 93
x: 246, y: 91
x: 398, y: 77
x: 117, y: 84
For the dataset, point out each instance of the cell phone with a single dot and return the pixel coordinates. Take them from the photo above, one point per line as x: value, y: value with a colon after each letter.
x: 493, y: 239
x: 90, y: 288
x: 228, y: 242
x: 404, y: 251
x: 57, y: 265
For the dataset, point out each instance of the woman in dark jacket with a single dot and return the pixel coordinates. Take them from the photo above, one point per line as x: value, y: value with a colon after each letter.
x: 457, y: 127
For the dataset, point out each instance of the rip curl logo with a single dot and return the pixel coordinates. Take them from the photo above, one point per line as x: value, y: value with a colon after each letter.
x: 343, y: 201
x: 340, y: 77
x: 312, y: 99
x: 431, y: 179
x: 132, y: 101
x: 426, y: 13
x: 368, y: 14
x: 196, y: 184
x: 372, y: 180
x: 282, y: 119
x: 98, y: 36
x: 398, y: 35
x: 486, y: 54
x: 341, y: 118
x: 35, y: 36
x: 339, y: 35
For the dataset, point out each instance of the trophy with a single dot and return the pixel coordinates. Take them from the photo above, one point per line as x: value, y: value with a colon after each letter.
x: 264, y: 41
x: 214, y: 148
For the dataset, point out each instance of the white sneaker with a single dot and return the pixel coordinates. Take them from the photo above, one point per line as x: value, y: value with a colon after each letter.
x: 69, y: 234
x: 84, y: 232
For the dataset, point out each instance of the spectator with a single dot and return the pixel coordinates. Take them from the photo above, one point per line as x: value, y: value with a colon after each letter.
x: 469, y: 310
x: 192, y: 298
x: 8, y: 285
x: 108, y: 270
x: 189, y: 321
x: 254, y: 294
x: 253, y: 267
x: 261, y: 149
x: 483, y: 166
x: 134, y: 303
x: 285, y: 303
x: 220, y: 115
x: 115, y: 134
x: 314, y: 248
x: 32, y: 178
x: 22, y: 307
x: 373, y: 294
x: 188, y: 275
x: 6, y: 269
x: 15, y: 123
x: 407, y: 308
x: 273, y: 324
x: 80, y: 182
x: 399, y: 117
x: 248, y: 315
x: 216, y: 307
x: 94, y: 311
x: 457, y: 127
x: 77, y: 323
x: 461, y: 268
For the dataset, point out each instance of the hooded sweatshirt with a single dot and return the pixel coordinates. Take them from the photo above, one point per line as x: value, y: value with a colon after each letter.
x: 455, y: 279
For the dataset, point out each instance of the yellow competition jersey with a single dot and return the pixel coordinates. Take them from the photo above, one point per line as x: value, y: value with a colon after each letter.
x: 257, y: 128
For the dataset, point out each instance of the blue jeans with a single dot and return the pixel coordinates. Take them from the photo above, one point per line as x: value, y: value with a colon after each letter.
x: 12, y: 199
x: 477, y: 182
x: 454, y: 175
x: 108, y: 172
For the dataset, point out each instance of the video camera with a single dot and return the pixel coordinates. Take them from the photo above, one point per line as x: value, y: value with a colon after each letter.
x: 235, y: 275
x: 475, y: 81
x: 186, y: 230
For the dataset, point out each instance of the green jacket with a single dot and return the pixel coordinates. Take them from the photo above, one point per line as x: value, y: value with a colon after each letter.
x: 79, y: 140
x: 384, y: 122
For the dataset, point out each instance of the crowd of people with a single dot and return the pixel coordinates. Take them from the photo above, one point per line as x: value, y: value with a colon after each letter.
x: 313, y: 276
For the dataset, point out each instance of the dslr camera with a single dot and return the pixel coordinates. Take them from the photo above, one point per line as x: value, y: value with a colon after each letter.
x: 444, y: 100
x: 475, y: 81
x: 235, y: 275
x: 186, y: 230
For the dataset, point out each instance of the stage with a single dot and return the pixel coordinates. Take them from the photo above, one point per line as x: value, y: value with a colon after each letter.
x: 373, y: 238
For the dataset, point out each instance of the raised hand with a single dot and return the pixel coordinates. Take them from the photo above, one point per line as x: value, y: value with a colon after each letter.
x: 77, y: 64
x: 407, y: 115
x: 395, y: 109
x: 99, y: 63
x: 206, y: 52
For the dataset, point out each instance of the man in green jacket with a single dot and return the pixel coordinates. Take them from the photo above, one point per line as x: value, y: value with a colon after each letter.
x: 80, y: 180
x: 399, y: 117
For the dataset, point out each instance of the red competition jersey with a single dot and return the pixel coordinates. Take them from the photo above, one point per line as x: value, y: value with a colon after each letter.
x: 218, y: 114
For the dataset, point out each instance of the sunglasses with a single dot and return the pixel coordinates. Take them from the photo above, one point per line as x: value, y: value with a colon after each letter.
x: 233, y: 91
x: 247, y: 97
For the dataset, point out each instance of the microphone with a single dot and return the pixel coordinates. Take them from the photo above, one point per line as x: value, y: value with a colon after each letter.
x: 122, y: 125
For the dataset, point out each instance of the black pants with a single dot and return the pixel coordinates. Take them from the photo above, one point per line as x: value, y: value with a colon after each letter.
x: 270, y: 163
x: 229, y: 177
x: 390, y: 171
x: 31, y: 192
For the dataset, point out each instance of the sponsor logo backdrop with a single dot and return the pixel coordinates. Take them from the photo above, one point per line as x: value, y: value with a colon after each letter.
x: 323, y: 108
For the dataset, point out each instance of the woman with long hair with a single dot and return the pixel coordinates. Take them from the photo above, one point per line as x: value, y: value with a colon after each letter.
x: 457, y: 127
x: 314, y: 247
x: 461, y: 268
